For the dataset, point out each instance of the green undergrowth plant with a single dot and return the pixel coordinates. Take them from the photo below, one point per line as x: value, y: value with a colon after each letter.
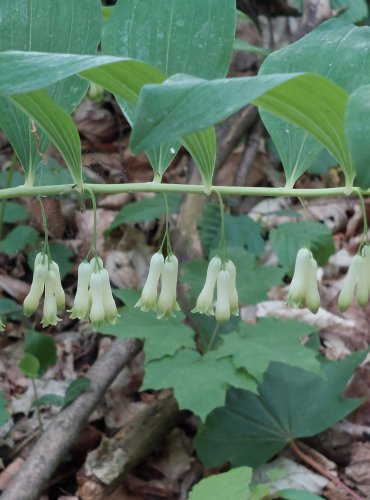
x: 255, y: 387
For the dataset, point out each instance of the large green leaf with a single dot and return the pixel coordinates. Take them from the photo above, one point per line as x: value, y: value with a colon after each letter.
x: 292, y: 403
x: 58, y: 125
x: 181, y: 106
x: 326, y: 51
x: 231, y: 485
x: 199, y: 382
x: 44, y: 26
x: 162, y: 338
x: 253, y: 347
x: 42, y: 347
x: 174, y: 40
x: 357, y: 126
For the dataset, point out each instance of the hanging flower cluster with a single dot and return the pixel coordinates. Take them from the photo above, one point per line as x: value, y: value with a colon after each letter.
x: 357, y: 281
x: 94, y: 299
x: 224, y: 275
x: 46, y: 277
x: 165, y: 271
x: 303, y: 290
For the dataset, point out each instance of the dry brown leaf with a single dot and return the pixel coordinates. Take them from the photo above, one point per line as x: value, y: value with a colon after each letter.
x: 121, y: 268
x: 358, y: 471
x: 7, y: 474
x: 18, y: 289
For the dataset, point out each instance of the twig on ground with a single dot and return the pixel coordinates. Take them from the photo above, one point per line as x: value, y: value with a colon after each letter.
x: 318, y: 468
x: 105, y: 466
x: 55, y: 442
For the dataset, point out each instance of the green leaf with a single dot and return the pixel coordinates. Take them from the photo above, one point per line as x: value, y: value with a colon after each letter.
x: 162, y: 337
x: 231, y: 485
x: 292, y: 403
x: 289, y: 237
x: 145, y: 210
x: 357, y: 127
x: 76, y: 388
x: 18, y: 239
x: 180, y: 106
x: 42, y: 347
x: 52, y: 173
x: 4, y: 414
x: 248, y: 47
x: 43, y: 26
x: 293, y: 494
x: 58, y: 125
x: 199, y: 382
x: 14, y: 212
x: 48, y: 399
x: 9, y: 307
x: 174, y: 40
x: 355, y: 10
x: 254, y: 347
x: 329, y: 48
x: 29, y: 365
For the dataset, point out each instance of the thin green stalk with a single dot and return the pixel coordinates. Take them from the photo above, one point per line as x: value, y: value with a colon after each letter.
x: 223, y: 247
x: 93, y: 242
x: 213, y: 337
x: 364, y: 219
x: 8, y: 182
x: 167, y: 230
x: 152, y: 187
x: 305, y: 219
x: 38, y: 411
x: 46, y: 229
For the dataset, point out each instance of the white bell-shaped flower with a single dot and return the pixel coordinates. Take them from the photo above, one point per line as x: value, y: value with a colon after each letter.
x: 110, y: 308
x: 97, y: 312
x: 233, y: 292
x: 204, y: 303
x: 59, y: 292
x: 149, y: 295
x: 312, y: 291
x: 50, y: 303
x: 355, y: 281
x: 32, y: 300
x: 222, y: 308
x: 297, y: 289
x: 96, y: 264
x: 167, y: 304
x: 81, y: 304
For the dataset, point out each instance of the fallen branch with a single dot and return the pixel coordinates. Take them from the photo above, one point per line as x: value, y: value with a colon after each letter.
x: 55, y: 442
x: 106, y: 466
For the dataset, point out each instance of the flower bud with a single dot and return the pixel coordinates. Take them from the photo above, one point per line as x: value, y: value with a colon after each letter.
x: 50, y: 304
x: 204, y: 303
x: 366, y: 255
x: 312, y: 291
x: 233, y: 293
x: 149, y: 295
x: 110, y: 308
x: 348, y: 289
x: 81, y: 303
x: 222, y: 309
x: 167, y: 303
x: 59, y: 292
x: 32, y: 300
x: 41, y: 258
x: 297, y: 289
x: 97, y: 313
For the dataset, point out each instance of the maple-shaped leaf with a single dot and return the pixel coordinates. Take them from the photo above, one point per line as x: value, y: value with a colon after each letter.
x: 199, y: 382
x: 292, y: 403
x: 254, y: 346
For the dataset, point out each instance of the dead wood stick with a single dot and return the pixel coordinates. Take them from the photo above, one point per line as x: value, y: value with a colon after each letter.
x: 105, y: 466
x: 55, y: 442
